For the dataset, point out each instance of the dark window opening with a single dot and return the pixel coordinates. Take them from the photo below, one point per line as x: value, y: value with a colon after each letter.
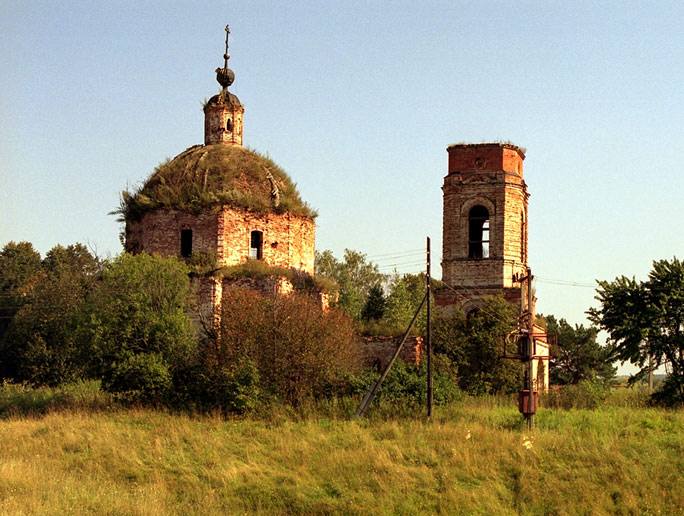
x: 229, y: 125
x: 256, y: 245
x: 186, y: 243
x: 478, y: 233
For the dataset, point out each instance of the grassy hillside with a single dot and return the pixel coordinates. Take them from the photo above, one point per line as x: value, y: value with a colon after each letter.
x: 475, y: 458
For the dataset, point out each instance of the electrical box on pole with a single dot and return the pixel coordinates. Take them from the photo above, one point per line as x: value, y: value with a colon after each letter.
x: 531, y: 346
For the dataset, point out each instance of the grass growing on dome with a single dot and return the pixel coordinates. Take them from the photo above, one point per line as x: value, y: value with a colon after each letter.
x: 208, y: 177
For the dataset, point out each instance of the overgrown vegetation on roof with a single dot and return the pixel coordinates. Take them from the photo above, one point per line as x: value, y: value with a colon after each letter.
x: 208, y: 177
x: 301, y: 281
x: 495, y: 142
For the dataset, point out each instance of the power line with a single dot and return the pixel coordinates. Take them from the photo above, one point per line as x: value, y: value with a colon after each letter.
x: 413, y: 263
x: 395, y: 256
x: 398, y: 254
x: 564, y: 282
x: 465, y: 298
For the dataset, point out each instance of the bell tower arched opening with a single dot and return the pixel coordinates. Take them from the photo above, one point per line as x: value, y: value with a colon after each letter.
x: 478, y: 232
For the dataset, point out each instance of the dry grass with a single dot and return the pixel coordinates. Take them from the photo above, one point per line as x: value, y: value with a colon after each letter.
x: 475, y: 458
x: 205, y: 177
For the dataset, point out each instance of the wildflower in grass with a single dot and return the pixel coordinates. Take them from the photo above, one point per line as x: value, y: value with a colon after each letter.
x: 527, y: 443
x: 468, y: 436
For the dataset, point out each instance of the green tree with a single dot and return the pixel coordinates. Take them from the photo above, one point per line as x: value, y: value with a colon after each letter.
x: 645, y: 319
x: 355, y: 276
x: 406, y: 294
x: 41, y: 341
x: 580, y: 356
x: 73, y: 259
x: 19, y: 270
x: 136, y: 325
x: 375, y: 306
x: 472, y: 344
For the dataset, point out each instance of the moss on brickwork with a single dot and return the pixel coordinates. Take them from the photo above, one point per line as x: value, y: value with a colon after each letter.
x: 302, y: 282
x: 205, y: 177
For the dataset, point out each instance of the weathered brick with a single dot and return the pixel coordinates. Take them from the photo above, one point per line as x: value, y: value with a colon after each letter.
x: 488, y: 175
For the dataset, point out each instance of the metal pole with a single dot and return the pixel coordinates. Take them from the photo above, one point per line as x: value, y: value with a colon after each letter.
x: 429, y: 337
x: 530, y: 330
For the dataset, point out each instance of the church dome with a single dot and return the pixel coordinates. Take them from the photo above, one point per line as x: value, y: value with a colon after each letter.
x: 205, y: 177
x: 220, y: 99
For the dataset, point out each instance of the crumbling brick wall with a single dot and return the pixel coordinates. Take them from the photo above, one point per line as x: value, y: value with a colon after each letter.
x: 159, y: 232
x: 379, y: 350
x: 288, y: 240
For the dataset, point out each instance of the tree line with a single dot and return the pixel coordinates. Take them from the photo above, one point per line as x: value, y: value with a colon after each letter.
x: 126, y: 322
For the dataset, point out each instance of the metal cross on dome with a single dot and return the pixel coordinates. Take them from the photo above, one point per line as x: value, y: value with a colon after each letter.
x: 226, y: 56
x: 225, y: 76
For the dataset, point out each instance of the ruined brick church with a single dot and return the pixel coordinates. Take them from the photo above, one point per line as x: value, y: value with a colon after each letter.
x: 222, y: 205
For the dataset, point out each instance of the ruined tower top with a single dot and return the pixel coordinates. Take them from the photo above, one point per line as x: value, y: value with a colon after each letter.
x: 484, y: 234
x: 483, y: 157
x: 223, y: 113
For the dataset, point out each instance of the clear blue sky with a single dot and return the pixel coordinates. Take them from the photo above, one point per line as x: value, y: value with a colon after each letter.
x: 358, y: 101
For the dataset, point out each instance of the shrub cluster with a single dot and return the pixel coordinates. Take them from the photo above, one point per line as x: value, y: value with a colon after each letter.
x: 587, y: 394
x: 299, y: 350
x: 406, y: 383
x: 125, y: 323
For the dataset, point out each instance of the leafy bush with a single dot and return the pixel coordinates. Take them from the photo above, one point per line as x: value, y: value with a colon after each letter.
x: 140, y: 306
x: 139, y: 309
x: 202, y: 384
x: 471, y: 343
x: 139, y: 378
x: 587, y: 394
x: 668, y: 394
x: 406, y: 384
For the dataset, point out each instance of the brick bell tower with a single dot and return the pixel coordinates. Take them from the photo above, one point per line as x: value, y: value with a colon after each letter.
x: 223, y: 113
x: 484, y: 232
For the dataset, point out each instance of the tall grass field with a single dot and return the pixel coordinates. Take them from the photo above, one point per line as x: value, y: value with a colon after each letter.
x: 75, y: 452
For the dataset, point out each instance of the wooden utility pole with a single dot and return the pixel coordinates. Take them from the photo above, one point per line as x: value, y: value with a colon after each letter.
x: 428, y: 337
